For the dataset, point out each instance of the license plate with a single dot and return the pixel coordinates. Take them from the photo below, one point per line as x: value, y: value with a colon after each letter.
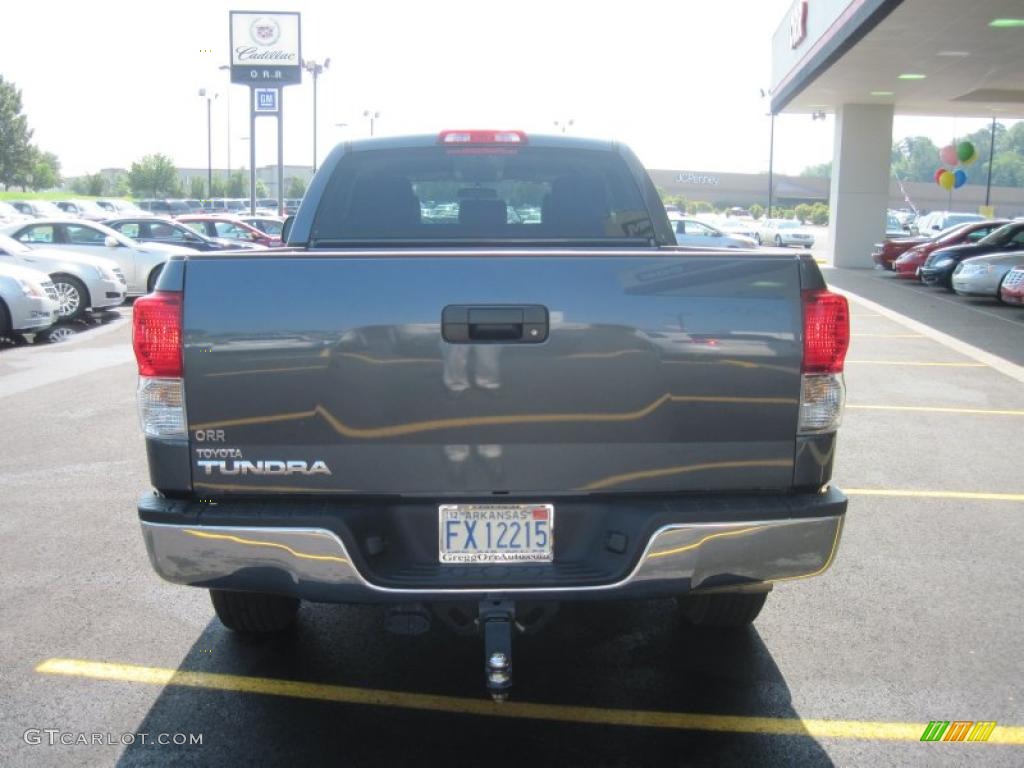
x: 496, y: 533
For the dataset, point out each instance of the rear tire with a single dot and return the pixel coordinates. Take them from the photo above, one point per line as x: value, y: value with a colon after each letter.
x: 5, y: 321
x: 73, y: 297
x: 778, y: 241
x: 153, y: 277
x: 724, y: 610
x: 254, y: 613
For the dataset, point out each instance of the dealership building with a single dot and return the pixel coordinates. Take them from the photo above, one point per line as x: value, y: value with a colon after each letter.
x: 867, y: 60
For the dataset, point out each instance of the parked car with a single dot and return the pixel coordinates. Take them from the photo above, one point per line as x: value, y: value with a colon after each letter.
x: 82, y: 209
x: 893, y: 227
x: 11, y: 215
x: 153, y: 229
x: 1012, y: 289
x: 885, y: 253
x: 269, y: 225
x: 911, y: 260
x: 121, y: 208
x: 37, y: 209
x: 530, y: 462
x: 938, y: 269
x: 166, y: 207
x: 81, y: 281
x: 983, y: 275
x: 743, y: 227
x: 140, y: 264
x: 781, y: 232
x: 937, y: 221
x: 230, y: 227
x: 700, y: 234
x: 28, y: 299
x: 291, y: 205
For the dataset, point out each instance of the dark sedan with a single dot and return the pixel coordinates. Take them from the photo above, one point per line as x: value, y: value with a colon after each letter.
x: 938, y: 269
x: 152, y: 229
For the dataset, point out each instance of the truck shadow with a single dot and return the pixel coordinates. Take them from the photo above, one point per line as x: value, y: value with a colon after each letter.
x: 621, y: 656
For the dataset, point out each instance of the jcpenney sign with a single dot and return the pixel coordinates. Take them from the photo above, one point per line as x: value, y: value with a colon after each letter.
x: 265, y: 47
x: 696, y: 178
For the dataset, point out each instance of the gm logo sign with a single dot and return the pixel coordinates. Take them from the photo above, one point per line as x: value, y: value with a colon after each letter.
x: 267, y: 99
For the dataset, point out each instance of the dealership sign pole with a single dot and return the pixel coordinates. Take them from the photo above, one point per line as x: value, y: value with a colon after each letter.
x: 266, y: 51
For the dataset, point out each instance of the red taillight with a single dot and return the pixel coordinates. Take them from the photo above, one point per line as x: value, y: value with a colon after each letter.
x: 481, y: 137
x: 156, y: 334
x: 826, y: 331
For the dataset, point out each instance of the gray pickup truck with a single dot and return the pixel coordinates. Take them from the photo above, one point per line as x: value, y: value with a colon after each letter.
x: 481, y: 379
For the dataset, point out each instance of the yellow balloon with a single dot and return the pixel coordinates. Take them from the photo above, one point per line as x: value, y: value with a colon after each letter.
x: 946, y: 180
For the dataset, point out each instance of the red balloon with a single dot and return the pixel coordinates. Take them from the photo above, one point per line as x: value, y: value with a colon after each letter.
x: 939, y: 173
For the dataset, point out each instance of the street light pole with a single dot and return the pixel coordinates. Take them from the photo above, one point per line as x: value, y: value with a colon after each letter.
x: 228, y: 69
x: 991, y: 157
x: 771, y: 163
x: 209, y: 142
x: 373, y: 116
x: 315, y: 69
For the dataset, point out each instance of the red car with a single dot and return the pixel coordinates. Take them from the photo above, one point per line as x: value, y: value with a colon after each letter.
x: 907, y: 263
x: 887, y: 252
x: 1012, y: 289
x: 230, y: 227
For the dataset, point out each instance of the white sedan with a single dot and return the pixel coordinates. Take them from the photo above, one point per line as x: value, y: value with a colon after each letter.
x: 28, y: 300
x: 704, y: 235
x: 140, y: 263
x: 782, y: 232
x: 81, y: 281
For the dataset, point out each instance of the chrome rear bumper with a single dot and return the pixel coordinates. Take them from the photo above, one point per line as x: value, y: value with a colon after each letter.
x: 313, y: 563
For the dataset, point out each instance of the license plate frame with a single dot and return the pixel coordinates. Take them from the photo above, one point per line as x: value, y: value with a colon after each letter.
x: 494, y: 524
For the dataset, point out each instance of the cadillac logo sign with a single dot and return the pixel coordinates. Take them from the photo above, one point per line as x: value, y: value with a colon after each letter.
x: 265, y: 31
x: 265, y: 48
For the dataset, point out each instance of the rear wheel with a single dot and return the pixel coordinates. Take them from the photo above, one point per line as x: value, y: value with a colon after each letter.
x: 153, y: 276
x: 778, y: 241
x: 725, y: 609
x: 5, y: 321
x: 72, y: 296
x: 254, y: 613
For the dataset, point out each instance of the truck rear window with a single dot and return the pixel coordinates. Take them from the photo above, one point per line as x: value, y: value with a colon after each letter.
x: 475, y: 194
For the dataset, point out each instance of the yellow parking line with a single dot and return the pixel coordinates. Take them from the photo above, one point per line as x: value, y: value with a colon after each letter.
x: 965, y: 495
x: 939, y: 409
x: 516, y: 710
x: 904, y: 362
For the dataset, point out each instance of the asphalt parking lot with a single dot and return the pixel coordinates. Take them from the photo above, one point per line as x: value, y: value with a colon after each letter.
x: 919, y: 619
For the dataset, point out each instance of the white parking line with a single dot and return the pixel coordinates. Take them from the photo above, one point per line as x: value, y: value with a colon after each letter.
x: 1001, y: 364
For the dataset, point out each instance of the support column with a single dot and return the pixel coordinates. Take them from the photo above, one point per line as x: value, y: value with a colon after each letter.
x: 860, y: 182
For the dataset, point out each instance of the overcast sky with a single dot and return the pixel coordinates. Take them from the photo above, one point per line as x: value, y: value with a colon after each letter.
x: 106, y: 82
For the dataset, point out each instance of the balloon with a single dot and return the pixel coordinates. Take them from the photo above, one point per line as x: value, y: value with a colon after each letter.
x: 946, y: 180
x: 948, y: 155
x: 966, y: 153
x: 959, y: 178
x: 939, y: 173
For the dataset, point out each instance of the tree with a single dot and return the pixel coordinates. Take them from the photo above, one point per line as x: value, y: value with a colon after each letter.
x: 154, y: 176
x: 218, y: 188
x: 197, y: 187
x: 822, y: 171
x: 238, y: 184
x: 803, y: 212
x: 95, y: 184
x: 757, y: 210
x: 45, y: 171
x: 296, y: 187
x: 16, y: 155
x: 261, y: 188
x: 819, y: 214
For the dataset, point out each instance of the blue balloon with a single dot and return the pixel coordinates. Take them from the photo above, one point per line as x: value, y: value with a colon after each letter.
x: 959, y: 178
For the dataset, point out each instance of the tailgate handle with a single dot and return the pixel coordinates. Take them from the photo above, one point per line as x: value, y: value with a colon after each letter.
x: 526, y: 324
